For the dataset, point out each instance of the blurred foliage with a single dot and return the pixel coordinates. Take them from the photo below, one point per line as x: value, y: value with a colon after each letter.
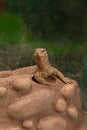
x: 53, y: 18
x: 11, y: 29
x: 12, y: 57
x: 14, y: 31
x: 83, y: 82
x: 84, y: 74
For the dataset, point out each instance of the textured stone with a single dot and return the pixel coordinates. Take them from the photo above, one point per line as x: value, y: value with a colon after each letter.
x: 60, y: 105
x: 31, y: 104
x: 27, y: 124
x: 21, y: 84
x: 72, y: 112
x: 52, y: 123
x: 3, y: 91
x: 68, y: 90
x: 10, y: 128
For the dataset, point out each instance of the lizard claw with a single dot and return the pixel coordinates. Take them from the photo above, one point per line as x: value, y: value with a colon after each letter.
x: 67, y: 80
x: 47, y: 83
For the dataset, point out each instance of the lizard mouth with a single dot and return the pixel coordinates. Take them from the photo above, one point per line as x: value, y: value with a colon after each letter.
x: 37, y: 57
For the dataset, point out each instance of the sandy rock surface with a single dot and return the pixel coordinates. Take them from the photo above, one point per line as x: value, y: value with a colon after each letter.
x: 84, y: 123
x: 34, y: 98
x: 21, y: 84
x: 68, y: 90
x: 52, y: 123
x: 72, y: 112
x: 60, y: 105
x: 3, y: 91
x: 11, y: 128
x: 31, y: 104
x: 28, y: 124
x: 41, y: 107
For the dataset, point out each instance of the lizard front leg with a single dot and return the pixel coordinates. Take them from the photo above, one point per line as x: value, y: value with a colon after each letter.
x: 61, y: 76
x: 40, y: 79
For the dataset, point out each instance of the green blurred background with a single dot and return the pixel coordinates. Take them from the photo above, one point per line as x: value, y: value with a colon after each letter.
x: 60, y: 26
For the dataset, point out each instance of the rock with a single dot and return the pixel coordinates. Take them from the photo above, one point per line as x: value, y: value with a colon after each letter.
x: 68, y: 90
x: 3, y: 91
x: 52, y: 123
x: 72, y: 112
x: 31, y: 104
x: 10, y: 128
x: 21, y: 84
x: 28, y: 124
x: 60, y: 105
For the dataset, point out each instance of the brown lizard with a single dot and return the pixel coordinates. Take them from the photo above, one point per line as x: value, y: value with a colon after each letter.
x: 45, y: 70
x: 41, y: 71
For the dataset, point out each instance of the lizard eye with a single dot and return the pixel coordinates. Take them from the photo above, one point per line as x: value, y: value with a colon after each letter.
x: 43, y: 50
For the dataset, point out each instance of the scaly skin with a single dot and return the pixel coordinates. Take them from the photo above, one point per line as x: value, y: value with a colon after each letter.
x: 4, y: 74
x: 45, y: 70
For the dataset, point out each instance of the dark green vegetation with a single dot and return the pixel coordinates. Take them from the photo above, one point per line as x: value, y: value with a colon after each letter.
x: 11, y: 29
x: 60, y: 19
x: 83, y: 82
x: 59, y: 26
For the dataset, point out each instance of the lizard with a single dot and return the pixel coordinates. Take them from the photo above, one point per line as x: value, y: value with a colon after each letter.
x: 41, y: 71
x: 45, y: 70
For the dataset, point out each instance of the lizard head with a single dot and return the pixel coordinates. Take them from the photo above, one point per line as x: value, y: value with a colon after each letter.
x: 41, y: 56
